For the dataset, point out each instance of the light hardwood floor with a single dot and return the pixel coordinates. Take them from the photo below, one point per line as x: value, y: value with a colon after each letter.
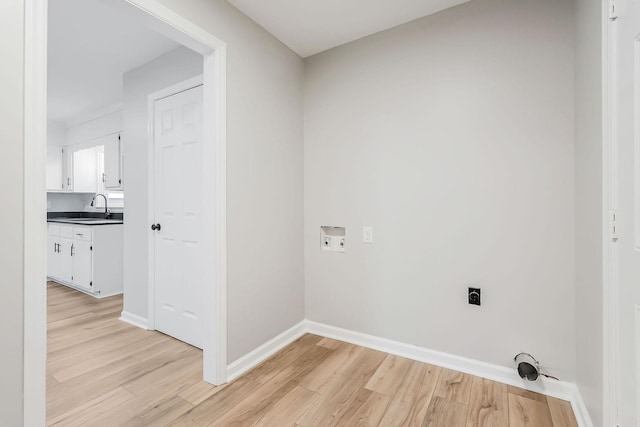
x: 103, y: 372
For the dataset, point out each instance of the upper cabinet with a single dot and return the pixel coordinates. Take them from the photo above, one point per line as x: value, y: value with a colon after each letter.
x: 54, y: 168
x: 113, y: 162
x: 91, y: 159
x: 85, y: 170
x: 97, y: 166
x: 56, y: 139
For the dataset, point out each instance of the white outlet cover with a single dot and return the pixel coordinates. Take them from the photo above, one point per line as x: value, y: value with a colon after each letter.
x: 367, y: 234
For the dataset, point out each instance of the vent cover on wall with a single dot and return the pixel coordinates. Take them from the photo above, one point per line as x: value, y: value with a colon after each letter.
x: 528, y: 367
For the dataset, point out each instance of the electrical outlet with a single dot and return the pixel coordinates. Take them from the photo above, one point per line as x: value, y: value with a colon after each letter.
x: 474, y: 296
x: 326, y: 242
x: 367, y: 234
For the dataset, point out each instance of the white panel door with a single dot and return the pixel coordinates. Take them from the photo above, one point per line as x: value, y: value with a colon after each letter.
x: 178, y: 210
x: 626, y: 126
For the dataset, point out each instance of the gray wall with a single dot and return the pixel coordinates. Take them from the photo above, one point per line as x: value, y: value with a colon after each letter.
x: 264, y: 176
x: 167, y: 70
x: 453, y: 137
x: 588, y: 101
x: 497, y: 192
x: 11, y: 215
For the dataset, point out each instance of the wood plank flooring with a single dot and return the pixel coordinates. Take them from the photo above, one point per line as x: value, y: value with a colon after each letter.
x: 103, y: 372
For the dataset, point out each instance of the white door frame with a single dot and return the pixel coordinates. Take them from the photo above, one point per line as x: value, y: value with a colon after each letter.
x: 151, y: 99
x: 169, y: 23
x: 34, y: 211
x: 610, y: 284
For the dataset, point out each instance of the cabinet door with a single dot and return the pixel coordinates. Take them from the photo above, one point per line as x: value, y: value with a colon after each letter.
x: 85, y: 170
x: 54, y: 168
x: 82, y: 264
x: 65, y: 268
x: 67, y: 168
x: 112, y: 173
x: 53, y: 257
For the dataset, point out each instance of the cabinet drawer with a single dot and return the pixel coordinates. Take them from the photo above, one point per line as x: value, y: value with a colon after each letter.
x: 82, y: 233
x: 53, y: 229
x: 66, y: 231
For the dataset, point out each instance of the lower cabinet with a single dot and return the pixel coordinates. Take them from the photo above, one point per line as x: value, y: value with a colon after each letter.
x: 87, y: 258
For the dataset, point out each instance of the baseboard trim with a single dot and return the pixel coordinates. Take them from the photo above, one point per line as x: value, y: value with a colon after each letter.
x: 558, y: 389
x: 263, y: 352
x: 134, y: 319
x: 580, y: 409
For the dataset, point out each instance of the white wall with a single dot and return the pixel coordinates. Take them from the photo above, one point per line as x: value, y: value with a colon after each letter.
x: 95, y: 126
x: 56, y: 134
x: 68, y: 202
x: 11, y: 215
x: 167, y: 70
x: 452, y: 136
x: 264, y: 176
x: 588, y: 246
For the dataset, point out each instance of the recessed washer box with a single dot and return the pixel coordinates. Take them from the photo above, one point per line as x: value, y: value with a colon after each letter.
x: 332, y: 238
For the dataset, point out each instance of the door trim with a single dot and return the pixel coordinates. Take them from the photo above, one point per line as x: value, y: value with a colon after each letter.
x: 214, y: 51
x: 610, y: 284
x: 34, y: 212
x: 151, y: 99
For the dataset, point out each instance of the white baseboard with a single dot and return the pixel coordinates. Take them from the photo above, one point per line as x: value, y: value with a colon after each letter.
x: 263, y: 352
x: 558, y: 389
x: 580, y: 409
x: 134, y: 319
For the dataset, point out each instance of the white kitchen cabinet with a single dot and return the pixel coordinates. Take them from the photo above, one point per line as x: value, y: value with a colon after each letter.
x: 53, y: 258
x: 65, y: 254
x: 59, y: 168
x: 59, y: 243
x: 67, y: 168
x: 82, y: 260
x: 112, y: 162
x: 87, y: 258
x: 85, y: 170
x: 82, y: 264
x: 99, y: 166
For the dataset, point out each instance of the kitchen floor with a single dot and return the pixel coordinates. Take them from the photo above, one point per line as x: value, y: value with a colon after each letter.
x: 102, y: 371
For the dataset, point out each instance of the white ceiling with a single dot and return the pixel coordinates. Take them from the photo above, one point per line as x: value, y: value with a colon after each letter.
x: 312, y: 26
x: 90, y: 47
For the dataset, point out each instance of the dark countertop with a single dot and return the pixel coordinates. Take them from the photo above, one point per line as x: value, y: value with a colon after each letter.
x: 85, y: 218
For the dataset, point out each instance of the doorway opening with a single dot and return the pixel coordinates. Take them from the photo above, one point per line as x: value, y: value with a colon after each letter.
x: 161, y: 19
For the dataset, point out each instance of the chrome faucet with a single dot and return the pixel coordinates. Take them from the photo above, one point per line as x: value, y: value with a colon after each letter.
x: 107, y: 212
